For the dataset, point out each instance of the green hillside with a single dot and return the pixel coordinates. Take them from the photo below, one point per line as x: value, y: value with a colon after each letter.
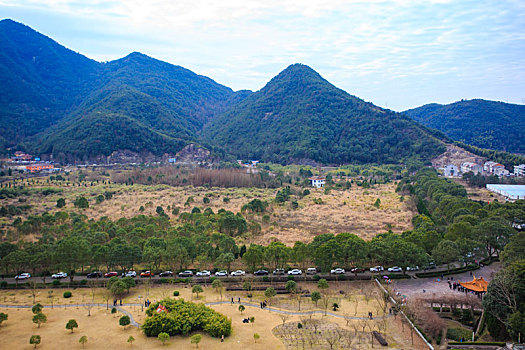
x: 299, y: 116
x: 481, y: 123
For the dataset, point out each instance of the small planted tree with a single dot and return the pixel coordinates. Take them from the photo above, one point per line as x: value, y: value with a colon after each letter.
x: 256, y: 337
x: 217, y: 284
x: 269, y: 293
x: 242, y: 308
x: 124, y: 321
x: 39, y: 318
x: 164, y: 338
x: 3, y: 317
x: 322, y: 284
x: 71, y: 325
x: 131, y: 340
x: 35, y: 340
x: 196, y: 339
x: 197, y: 289
x: 37, y: 308
x: 83, y: 340
x: 316, y: 296
x: 291, y: 286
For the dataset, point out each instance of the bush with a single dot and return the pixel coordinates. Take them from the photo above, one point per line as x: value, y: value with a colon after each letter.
x: 83, y: 282
x: 56, y: 283
x: 290, y: 278
x: 124, y: 321
x: 114, y: 310
x: 68, y: 294
x: 183, y: 318
x: 459, y: 334
x: 266, y: 279
x: 316, y: 277
x: 176, y: 293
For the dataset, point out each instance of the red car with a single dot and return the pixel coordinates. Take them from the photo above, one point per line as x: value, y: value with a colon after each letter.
x: 357, y: 270
x: 147, y: 274
x: 110, y: 274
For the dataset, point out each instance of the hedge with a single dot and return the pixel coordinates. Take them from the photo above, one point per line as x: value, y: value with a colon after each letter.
x: 184, y: 317
x: 458, y: 334
x: 495, y: 343
x: 467, y: 268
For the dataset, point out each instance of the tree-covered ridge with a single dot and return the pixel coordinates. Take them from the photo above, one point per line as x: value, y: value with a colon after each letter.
x: 481, y: 123
x: 299, y: 115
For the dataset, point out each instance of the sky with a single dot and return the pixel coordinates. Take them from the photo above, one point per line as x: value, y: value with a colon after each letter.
x: 397, y: 54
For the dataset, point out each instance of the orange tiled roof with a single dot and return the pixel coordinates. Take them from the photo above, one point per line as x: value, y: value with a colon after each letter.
x: 477, y: 284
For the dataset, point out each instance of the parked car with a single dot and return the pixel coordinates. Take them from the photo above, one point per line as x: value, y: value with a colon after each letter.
x: 430, y: 266
x: 413, y: 268
x: 377, y: 269
x: 59, y: 275
x: 395, y: 269
x: 166, y: 274
x: 221, y: 273
x: 338, y: 271
x: 238, y: 273
x: 278, y: 272
x: 110, y: 274
x: 130, y: 274
x: 311, y: 271
x: 357, y: 270
x: 147, y: 274
x: 295, y: 272
x: 187, y: 273
x: 94, y: 274
x: 23, y: 276
x: 260, y: 273
x: 203, y: 273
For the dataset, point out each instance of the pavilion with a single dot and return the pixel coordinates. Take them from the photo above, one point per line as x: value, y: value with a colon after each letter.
x: 477, y: 285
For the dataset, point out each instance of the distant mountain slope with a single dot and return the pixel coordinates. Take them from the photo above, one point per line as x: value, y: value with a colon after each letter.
x: 299, y: 116
x: 485, y: 124
x: 40, y: 80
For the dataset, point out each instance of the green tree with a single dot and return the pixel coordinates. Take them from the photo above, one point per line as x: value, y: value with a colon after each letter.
x: 164, y: 338
x: 276, y: 254
x: 3, y: 317
x: 254, y: 256
x: 269, y: 293
x: 494, y: 235
x: 242, y: 308
x: 35, y: 340
x: 256, y: 337
x: 225, y: 260
x: 377, y: 203
x: 446, y: 252
x: 129, y: 282
x: 316, y: 296
x: 39, y: 318
x: 197, y: 289
x: 196, y: 338
x: 83, y: 340
x: 61, y: 202
x: 217, y: 284
x: 291, y: 286
x: 514, y: 250
x: 37, y: 308
x: 322, y: 284
x: 131, y: 340
x: 81, y: 203
x: 124, y: 321
x: 71, y: 325
x: 118, y: 289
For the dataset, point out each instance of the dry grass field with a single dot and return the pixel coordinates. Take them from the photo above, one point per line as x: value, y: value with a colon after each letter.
x: 341, y: 210
x: 104, y: 332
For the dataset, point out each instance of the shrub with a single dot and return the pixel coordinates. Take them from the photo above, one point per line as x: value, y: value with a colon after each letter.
x: 83, y: 282
x: 266, y: 279
x: 56, y: 283
x: 124, y: 321
x: 459, y: 334
x: 316, y: 277
x: 114, y: 310
x: 184, y: 317
x: 176, y: 293
x: 291, y: 278
x: 68, y: 294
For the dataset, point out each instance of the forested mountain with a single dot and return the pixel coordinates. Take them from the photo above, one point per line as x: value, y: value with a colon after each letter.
x: 299, y: 116
x: 53, y: 100
x: 481, y: 123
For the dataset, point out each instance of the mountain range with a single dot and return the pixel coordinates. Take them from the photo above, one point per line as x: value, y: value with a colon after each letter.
x: 54, y: 101
x: 481, y: 123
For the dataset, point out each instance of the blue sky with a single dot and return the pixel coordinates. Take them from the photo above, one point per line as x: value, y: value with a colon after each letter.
x: 397, y: 54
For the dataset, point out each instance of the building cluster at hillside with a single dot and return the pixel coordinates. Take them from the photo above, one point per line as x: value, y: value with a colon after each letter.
x: 24, y: 162
x: 489, y: 168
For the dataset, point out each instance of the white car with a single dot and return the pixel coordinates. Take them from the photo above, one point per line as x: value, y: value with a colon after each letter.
x: 238, y: 273
x: 311, y: 271
x: 412, y: 268
x: 23, y: 276
x: 221, y: 273
x: 377, y: 269
x: 203, y: 273
x: 59, y: 275
x: 295, y: 272
x: 130, y: 274
x: 338, y: 271
x: 395, y: 269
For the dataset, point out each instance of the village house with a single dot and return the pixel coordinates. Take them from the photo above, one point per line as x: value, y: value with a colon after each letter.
x: 490, y: 168
x: 451, y: 170
x: 471, y: 167
x: 39, y: 167
x: 519, y: 170
x: 317, y: 181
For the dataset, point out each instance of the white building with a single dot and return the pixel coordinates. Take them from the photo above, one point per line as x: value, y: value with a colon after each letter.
x: 451, y: 170
x: 317, y: 181
x: 500, y: 172
x: 519, y: 170
x: 491, y: 167
x: 473, y: 167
